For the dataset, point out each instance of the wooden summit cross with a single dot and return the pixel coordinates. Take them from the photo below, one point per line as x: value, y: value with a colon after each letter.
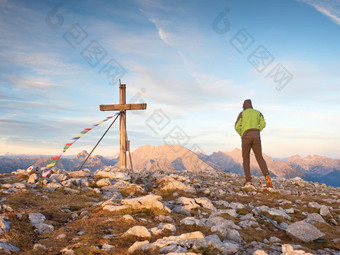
x: 122, y: 107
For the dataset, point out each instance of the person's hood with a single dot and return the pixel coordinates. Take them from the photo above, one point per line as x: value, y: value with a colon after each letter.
x: 247, y: 104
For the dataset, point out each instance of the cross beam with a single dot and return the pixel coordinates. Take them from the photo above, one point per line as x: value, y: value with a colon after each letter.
x: 122, y: 107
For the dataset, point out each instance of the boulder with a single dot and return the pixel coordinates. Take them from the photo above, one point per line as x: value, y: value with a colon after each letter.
x: 139, y: 246
x: 36, y: 218
x: 53, y: 186
x: 19, y: 185
x: 145, y: 202
x: 115, y: 208
x: 231, y: 247
x: 289, y: 250
x: 260, y: 252
x: 324, y: 211
x: 186, y: 205
x: 205, y: 203
x: 314, y: 218
x: 104, y: 182
x: 274, y: 212
x: 138, y: 231
x: 43, y: 228
x: 4, y: 226
x: 162, y: 227
x: 190, y: 240
x: 304, y: 231
x: 191, y: 221
x: 314, y: 205
x: 177, y: 185
x: 33, y: 178
x: 112, y: 175
x: 80, y: 174
x: 6, y: 248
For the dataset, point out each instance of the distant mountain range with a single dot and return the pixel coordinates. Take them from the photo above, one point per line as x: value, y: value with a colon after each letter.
x: 174, y: 157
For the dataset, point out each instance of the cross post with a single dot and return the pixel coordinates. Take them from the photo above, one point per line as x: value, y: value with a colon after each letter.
x: 122, y: 107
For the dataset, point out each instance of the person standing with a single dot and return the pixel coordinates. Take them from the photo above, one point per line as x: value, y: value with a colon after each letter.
x: 248, y: 125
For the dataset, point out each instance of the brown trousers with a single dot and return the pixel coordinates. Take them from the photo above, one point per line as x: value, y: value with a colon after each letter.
x: 251, y: 140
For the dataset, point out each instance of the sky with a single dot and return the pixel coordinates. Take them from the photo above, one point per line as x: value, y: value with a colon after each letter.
x: 192, y: 62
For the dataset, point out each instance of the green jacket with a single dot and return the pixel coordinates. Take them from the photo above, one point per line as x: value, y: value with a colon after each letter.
x: 249, y: 118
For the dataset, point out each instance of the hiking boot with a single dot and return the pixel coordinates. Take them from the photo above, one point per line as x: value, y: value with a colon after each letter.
x: 269, y: 183
x: 248, y: 186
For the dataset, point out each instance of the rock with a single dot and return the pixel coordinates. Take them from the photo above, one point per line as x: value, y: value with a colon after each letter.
x: 191, y: 221
x: 53, y: 186
x: 146, y: 202
x: 304, y: 231
x: 274, y: 239
x: 107, y: 247
x: 290, y: 210
x: 205, y: 203
x: 44, y: 228
x: 19, y: 185
x: 67, y: 251
x: 314, y: 218
x: 190, y: 240
x: 4, y: 226
x: 248, y: 223
x: 260, y: 252
x: 39, y: 246
x: 58, y: 177
x: 226, y: 247
x: 6, y: 248
x: 139, y: 246
x: 214, y: 241
x: 61, y: 236
x: 314, y: 205
x: 220, y: 222
x: 274, y: 212
x: 162, y: 227
x: 237, y: 206
x: 289, y: 250
x: 171, y: 184
x: 74, y: 181
x: 231, y: 212
x: 128, y: 217
x: 186, y: 205
x: 104, y: 182
x: 80, y: 174
x: 36, y: 218
x: 138, y: 231
x: 33, y: 178
x: 231, y: 247
x: 112, y: 175
x: 115, y: 208
x: 284, y: 225
x: 324, y: 211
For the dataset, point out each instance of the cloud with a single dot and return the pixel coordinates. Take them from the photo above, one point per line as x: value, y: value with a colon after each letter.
x: 34, y: 82
x: 329, y: 8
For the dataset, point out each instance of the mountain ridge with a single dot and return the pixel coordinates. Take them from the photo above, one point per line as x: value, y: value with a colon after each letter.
x: 175, y: 157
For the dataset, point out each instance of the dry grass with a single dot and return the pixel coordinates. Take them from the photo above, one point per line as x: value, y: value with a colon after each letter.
x: 101, y: 223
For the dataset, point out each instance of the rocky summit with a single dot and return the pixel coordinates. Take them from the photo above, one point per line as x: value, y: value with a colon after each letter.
x: 165, y: 212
